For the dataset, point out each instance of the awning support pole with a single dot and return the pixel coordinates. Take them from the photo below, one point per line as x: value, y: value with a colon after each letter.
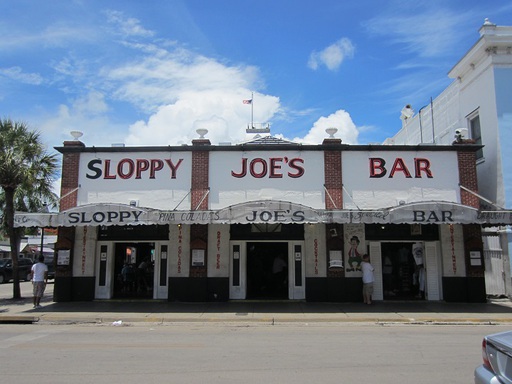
x: 184, y: 197
x: 480, y: 197
x: 330, y: 198
x: 204, y: 197
x: 350, y: 197
x: 69, y: 193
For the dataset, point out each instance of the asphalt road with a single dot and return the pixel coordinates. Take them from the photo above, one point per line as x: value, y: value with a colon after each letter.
x: 219, y: 353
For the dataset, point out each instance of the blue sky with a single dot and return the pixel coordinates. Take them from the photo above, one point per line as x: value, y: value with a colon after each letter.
x: 152, y: 72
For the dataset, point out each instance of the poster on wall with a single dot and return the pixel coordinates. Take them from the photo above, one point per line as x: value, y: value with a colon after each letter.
x: 355, y: 248
x: 198, y: 257
x: 475, y: 258
x: 63, y: 257
x: 335, y: 259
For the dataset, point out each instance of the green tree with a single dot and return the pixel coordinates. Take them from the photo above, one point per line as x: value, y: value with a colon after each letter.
x: 27, y: 173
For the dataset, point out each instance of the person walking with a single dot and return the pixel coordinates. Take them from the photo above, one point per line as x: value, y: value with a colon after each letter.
x: 368, y: 279
x: 39, y: 275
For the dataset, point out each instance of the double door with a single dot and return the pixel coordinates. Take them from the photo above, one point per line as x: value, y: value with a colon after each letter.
x: 267, y: 270
x: 431, y: 265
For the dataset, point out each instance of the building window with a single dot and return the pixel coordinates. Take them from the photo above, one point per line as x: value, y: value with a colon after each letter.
x: 474, y: 124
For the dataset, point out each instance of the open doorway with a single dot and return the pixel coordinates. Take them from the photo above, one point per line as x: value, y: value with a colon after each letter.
x: 267, y: 270
x: 134, y: 270
x: 403, y: 272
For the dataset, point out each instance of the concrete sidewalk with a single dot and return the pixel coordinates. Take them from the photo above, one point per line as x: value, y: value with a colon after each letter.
x: 497, y: 311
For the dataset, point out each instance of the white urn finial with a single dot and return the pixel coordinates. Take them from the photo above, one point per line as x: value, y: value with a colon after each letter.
x: 201, y: 132
x: 76, y: 134
x: 331, y: 131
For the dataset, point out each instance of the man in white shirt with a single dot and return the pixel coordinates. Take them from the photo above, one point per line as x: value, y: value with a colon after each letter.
x: 39, y: 280
x: 368, y: 279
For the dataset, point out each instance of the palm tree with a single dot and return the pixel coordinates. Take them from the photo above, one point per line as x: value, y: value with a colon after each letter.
x: 27, y: 172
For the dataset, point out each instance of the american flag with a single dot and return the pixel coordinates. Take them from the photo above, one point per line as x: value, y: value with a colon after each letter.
x: 248, y: 101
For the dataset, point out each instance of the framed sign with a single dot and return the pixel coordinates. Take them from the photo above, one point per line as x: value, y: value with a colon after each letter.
x: 198, y: 257
x: 475, y: 258
x: 335, y: 259
x: 63, y: 257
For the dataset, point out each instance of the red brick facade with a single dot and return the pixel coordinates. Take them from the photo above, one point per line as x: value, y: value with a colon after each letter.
x: 333, y: 177
x: 472, y: 233
x: 199, y: 201
x: 70, y: 182
x: 468, y: 178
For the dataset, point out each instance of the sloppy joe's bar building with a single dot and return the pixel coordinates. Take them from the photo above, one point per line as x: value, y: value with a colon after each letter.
x: 268, y: 219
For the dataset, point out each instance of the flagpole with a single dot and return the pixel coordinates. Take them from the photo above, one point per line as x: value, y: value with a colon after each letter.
x: 252, y: 110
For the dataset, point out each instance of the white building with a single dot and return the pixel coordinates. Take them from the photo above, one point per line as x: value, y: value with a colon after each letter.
x: 211, y: 221
x: 477, y: 105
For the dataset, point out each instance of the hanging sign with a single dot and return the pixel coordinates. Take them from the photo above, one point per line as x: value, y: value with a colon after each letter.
x: 258, y: 212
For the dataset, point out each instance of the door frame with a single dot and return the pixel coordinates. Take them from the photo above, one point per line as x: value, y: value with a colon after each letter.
x: 104, y: 269
x: 431, y: 260
x: 238, y: 268
x: 105, y: 264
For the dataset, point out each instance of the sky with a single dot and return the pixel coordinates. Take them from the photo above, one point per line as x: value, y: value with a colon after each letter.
x: 149, y: 73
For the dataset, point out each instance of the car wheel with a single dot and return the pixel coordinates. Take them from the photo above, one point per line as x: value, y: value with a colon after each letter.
x: 2, y: 279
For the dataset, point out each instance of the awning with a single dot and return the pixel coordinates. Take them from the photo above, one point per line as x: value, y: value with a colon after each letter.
x: 264, y: 211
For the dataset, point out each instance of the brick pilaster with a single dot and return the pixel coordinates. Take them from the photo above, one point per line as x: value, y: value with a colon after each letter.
x: 468, y: 178
x: 199, y: 201
x: 332, y: 176
x: 69, y: 184
x: 68, y: 193
x: 200, y: 172
x: 472, y: 234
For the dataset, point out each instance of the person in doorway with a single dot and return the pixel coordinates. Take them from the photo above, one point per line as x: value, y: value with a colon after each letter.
x: 39, y: 276
x: 387, y: 274
x: 419, y: 272
x: 128, y: 274
x: 142, y: 270
x: 279, y: 271
x: 368, y: 279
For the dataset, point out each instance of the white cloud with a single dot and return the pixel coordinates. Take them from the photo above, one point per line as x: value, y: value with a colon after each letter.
x: 220, y: 111
x: 426, y: 32
x: 347, y: 130
x: 333, y: 55
x: 177, y: 91
x: 127, y: 26
x: 16, y: 73
x: 86, y: 114
x: 162, y: 78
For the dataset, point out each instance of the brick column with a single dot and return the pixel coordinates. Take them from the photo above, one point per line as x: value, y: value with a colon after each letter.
x: 468, y: 177
x: 200, y: 173
x: 199, y: 201
x: 332, y: 174
x: 66, y: 235
x: 69, y: 184
x: 333, y: 200
x: 472, y: 233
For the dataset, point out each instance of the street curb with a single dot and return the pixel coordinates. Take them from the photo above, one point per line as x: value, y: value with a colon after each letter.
x: 20, y: 319
x: 272, y: 320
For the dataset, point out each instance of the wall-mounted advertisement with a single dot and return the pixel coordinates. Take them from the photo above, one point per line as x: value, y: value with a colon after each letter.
x: 294, y: 176
x: 159, y: 180
x: 383, y: 179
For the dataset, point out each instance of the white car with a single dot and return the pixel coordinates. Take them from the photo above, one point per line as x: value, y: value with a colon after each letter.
x: 497, y: 357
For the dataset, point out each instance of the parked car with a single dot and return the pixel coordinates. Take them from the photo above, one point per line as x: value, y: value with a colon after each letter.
x: 497, y: 359
x: 24, y: 269
x: 51, y: 269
